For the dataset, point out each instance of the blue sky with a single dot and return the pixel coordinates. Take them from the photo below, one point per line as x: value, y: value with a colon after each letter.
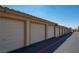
x: 66, y: 15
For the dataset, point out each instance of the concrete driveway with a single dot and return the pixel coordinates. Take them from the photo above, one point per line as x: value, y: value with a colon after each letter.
x: 71, y: 45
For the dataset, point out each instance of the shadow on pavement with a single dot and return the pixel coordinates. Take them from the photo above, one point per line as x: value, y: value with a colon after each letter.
x: 46, y: 46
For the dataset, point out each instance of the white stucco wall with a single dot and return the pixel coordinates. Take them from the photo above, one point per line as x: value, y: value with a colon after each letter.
x: 11, y: 34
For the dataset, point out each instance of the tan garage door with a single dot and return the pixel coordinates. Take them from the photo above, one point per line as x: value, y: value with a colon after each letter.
x: 50, y: 32
x: 63, y: 31
x: 37, y: 32
x: 11, y: 34
x: 60, y: 31
x: 57, y: 31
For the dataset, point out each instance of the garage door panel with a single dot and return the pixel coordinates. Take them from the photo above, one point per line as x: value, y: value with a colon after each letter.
x: 57, y: 32
x: 1, y: 29
x: 12, y: 36
x: 37, y: 32
x: 60, y: 31
x: 50, y: 32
